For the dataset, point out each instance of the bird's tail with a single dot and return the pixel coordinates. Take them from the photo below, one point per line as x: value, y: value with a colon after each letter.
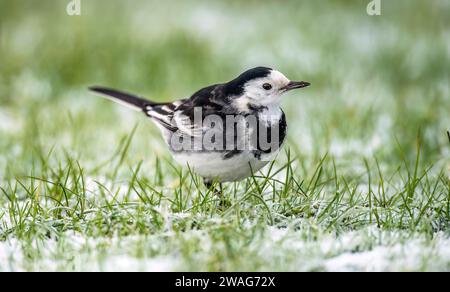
x: 129, y: 100
x: 161, y: 113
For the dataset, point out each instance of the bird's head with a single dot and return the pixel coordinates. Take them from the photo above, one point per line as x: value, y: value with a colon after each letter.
x: 261, y: 86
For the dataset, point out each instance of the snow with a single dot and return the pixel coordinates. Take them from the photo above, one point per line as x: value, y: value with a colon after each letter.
x: 81, y: 255
x: 125, y: 263
x: 10, y: 253
x: 287, y: 249
x: 367, y: 261
x: 411, y: 256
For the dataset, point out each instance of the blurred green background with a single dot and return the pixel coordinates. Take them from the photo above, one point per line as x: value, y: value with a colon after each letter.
x: 380, y: 88
x: 375, y: 78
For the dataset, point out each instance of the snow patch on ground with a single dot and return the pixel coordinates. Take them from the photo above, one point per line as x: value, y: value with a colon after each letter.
x: 288, y: 248
x: 413, y: 255
x: 81, y: 254
x: 126, y: 263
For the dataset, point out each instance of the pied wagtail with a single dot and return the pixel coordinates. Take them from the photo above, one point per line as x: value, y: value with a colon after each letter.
x: 255, y: 93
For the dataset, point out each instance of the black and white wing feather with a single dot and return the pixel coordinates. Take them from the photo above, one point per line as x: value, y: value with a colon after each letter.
x: 178, y: 116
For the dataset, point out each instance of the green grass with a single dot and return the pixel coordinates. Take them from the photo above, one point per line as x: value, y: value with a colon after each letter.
x: 362, y: 184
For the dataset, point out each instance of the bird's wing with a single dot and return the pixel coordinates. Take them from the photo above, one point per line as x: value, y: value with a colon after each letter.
x: 189, y: 115
x: 162, y: 115
x: 179, y: 115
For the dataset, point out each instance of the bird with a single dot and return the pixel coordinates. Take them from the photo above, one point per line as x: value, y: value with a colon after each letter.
x: 217, y: 131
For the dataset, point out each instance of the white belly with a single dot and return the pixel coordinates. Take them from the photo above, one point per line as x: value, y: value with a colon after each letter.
x: 211, y: 166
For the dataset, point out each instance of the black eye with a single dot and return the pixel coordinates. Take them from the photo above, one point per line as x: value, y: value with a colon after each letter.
x: 267, y: 86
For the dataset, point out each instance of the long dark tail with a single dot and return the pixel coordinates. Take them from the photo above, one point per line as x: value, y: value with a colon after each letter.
x: 161, y: 113
x: 130, y: 100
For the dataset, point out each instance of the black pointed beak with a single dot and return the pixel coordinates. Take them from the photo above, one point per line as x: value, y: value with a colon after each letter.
x: 296, y: 84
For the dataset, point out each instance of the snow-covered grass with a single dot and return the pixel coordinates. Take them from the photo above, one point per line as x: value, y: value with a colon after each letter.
x: 362, y: 185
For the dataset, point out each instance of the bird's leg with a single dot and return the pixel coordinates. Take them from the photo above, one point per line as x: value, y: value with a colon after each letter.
x: 210, y: 186
x: 217, y: 192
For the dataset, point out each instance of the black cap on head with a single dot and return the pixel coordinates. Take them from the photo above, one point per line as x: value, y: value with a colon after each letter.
x: 236, y: 86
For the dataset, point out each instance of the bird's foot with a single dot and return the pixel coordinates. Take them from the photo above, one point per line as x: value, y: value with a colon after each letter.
x: 224, y: 203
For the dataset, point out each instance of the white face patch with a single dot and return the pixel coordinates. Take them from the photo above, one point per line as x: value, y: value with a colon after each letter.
x: 278, y: 78
x: 264, y: 91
